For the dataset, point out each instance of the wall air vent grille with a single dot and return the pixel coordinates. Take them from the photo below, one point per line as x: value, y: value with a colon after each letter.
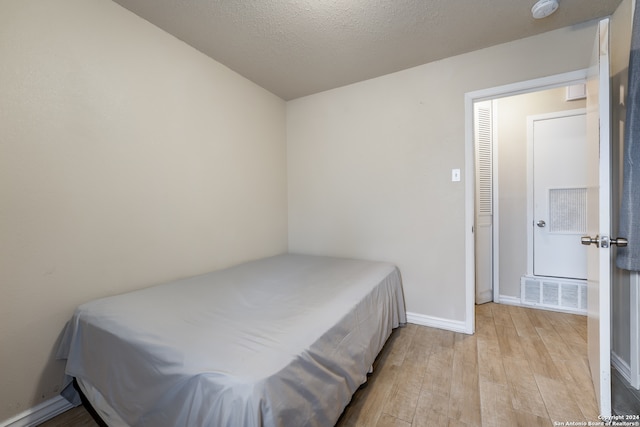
x: 568, y: 210
x: 558, y: 294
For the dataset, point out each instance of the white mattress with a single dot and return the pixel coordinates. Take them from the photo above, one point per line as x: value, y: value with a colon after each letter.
x: 281, y: 341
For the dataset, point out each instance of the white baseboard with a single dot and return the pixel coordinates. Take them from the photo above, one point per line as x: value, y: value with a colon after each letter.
x: 621, y: 366
x: 507, y: 300
x: 39, y: 413
x: 504, y: 299
x: 437, y: 322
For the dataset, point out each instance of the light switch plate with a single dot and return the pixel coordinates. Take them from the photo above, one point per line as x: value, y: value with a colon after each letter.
x: 455, y: 175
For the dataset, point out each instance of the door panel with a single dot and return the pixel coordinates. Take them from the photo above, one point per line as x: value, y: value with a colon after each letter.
x: 598, y: 219
x: 483, y: 136
x: 559, y: 194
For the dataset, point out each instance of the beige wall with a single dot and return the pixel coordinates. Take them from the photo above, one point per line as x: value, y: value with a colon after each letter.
x: 127, y: 158
x: 369, y: 165
x: 512, y: 115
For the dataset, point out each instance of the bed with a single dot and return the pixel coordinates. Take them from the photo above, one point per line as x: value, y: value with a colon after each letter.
x: 280, y: 341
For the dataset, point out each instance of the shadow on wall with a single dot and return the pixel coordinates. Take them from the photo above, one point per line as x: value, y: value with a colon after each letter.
x: 52, y: 369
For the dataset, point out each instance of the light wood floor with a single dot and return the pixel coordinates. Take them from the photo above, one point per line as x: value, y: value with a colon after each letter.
x: 523, y: 367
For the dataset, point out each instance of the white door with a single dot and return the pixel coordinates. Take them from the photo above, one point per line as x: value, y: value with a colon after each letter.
x: 558, y: 141
x: 483, y: 136
x: 598, y: 220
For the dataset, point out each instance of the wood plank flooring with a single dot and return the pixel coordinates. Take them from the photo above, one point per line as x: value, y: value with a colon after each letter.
x: 523, y: 367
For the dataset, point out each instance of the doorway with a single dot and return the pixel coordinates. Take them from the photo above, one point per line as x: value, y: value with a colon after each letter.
x: 504, y: 226
x: 560, y: 80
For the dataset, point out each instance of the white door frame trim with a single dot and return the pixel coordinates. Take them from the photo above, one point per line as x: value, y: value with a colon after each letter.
x: 548, y: 82
x: 634, y: 330
x: 495, y: 179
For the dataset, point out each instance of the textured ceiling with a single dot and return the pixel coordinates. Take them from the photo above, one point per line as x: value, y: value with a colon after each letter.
x: 299, y: 47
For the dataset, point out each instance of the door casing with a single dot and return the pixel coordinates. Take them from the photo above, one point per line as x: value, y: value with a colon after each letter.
x: 549, y: 82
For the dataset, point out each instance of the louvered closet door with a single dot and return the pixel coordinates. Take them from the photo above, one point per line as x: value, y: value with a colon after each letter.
x: 483, y: 130
x: 559, y: 194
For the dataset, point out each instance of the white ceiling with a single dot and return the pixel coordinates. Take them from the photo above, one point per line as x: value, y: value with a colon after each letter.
x: 299, y: 47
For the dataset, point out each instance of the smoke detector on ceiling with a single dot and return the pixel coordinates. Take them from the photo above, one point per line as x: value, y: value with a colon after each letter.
x: 544, y: 8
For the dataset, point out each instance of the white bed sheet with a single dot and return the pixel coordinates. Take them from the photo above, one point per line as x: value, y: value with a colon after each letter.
x: 281, y: 341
